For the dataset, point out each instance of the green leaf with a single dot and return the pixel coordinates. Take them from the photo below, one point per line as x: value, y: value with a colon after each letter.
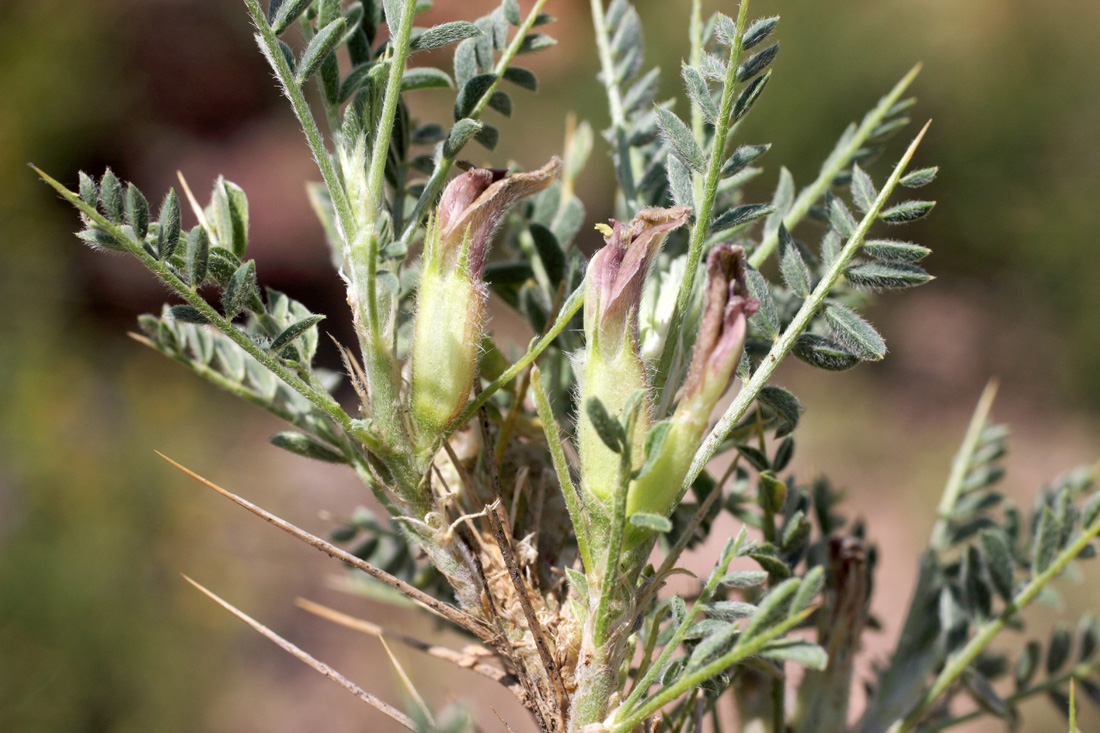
x: 522, y: 77
x: 425, y: 77
x: 460, y: 134
x: 487, y: 136
x: 863, y: 189
x: 857, y: 335
x: 110, y: 196
x: 549, y: 252
x: 840, y: 217
x: 286, y: 13
x: 786, y: 407
x: 654, y: 522
x: 757, y: 63
x: 607, y: 427
x: 137, y: 212
x: 306, y: 445
x: 89, y: 192
x: 758, y: 31
x: 699, y: 93
x: 750, y: 95
x: 730, y: 610
x: 1045, y: 546
x: 892, y: 251
x: 198, y: 255
x: 1088, y: 634
x: 471, y: 93
x: 782, y: 200
x: 1027, y: 664
x: 767, y: 318
x: 681, y: 142
x: 907, y: 212
x: 230, y: 206
x: 241, y: 287
x: 679, y: 183
x: 739, y: 215
x: 578, y: 583
x: 822, y: 353
x: 886, y: 275
x: 919, y: 178
x: 168, y: 233
x: 536, y: 42
x: 980, y: 688
x: 777, y: 569
x: 466, y: 66
x: 654, y: 444
x: 222, y: 265
x: 773, y: 608
x: 713, y: 645
x: 320, y: 46
x: 742, y: 157
x: 444, y: 35
x: 791, y: 265
x: 999, y: 562
x: 187, y: 314
x: 511, y: 12
x: 800, y: 652
x: 1061, y: 641
x: 744, y: 578
x: 501, y: 102
x: 293, y: 331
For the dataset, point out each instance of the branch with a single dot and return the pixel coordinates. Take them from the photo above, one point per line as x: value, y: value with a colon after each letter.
x: 316, y: 664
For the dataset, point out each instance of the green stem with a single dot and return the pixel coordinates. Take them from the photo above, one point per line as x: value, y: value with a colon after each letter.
x: 837, y: 162
x: 1079, y: 672
x: 958, y: 663
x: 443, y: 167
x: 270, y: 47
x: 627, y: 164
x: 561, y: 466
x: 702, y: 214
x: 612, y: 560
x: 400, y: 53
x: 739, y: 653
x: 642, y: 685
x: 960, y: 465
x: 785, y: 342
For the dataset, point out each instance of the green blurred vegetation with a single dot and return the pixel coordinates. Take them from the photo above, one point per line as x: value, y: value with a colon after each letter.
x: 93, y: 632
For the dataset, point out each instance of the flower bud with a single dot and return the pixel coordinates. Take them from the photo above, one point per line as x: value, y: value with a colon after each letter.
x: 451, y: 301
x: 613, y: 369
x: 717, y: 352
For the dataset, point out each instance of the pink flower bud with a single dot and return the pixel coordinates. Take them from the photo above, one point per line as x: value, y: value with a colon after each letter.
x: 722, y: 331
x: 617, y: 274
x: 474, y: 204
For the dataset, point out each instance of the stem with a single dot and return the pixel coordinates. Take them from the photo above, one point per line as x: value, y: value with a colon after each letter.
x: 833, y: 166
x: 561, y: 466
x: 702, y: 214
x: 689, y: 681
x: 643, y: 684
x: 443, y: 167
x: 270, y: 47
x: 1079, y: 672
x: 614, y: 550
x: 785, y: 342
x: 381, y: 146
x: 961, y: 465
x: 626, y: 169
x: 958, y: 664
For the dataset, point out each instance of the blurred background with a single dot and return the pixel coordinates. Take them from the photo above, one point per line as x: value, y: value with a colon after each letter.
x: 97, y: 630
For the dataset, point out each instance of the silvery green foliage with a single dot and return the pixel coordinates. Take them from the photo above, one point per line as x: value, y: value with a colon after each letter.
x: 488, y: 521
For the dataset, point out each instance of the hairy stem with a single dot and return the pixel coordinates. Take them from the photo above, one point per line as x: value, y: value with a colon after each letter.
x: 702, y: 214
x: 785, y: 342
